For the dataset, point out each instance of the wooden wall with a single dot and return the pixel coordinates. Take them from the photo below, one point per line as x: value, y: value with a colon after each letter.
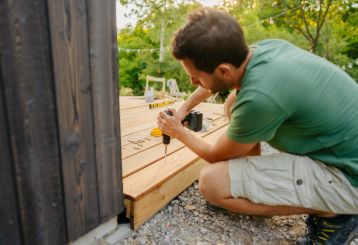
x: 60, y: 161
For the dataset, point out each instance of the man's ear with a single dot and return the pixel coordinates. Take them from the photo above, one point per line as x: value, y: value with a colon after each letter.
x: 224, y: 70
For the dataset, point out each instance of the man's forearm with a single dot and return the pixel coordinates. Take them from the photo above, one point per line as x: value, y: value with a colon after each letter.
x: 197, y: 145
x: 222, y: 150
x: 198, y: 96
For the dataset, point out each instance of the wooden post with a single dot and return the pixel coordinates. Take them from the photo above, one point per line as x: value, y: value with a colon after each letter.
x: 104, y: 76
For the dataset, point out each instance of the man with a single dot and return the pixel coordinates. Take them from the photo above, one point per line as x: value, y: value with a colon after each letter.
x: 299, y: 103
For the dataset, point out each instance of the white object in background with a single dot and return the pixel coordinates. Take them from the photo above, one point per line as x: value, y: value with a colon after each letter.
x: 149, y: 95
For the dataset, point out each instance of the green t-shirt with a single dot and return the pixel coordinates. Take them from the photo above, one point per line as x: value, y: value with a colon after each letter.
x: 299, y: 103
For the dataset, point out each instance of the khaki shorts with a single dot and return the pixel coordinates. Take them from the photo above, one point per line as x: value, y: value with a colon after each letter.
x: 290, y: 180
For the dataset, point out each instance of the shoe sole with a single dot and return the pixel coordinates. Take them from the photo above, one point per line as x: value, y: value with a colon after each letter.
x: 353, y: 238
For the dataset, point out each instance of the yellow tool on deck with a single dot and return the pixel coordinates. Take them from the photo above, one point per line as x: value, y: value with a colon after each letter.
x: 160, y: 104
x: 156, y: 132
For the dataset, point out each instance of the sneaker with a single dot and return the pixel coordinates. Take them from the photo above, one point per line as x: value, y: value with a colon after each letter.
x: 353, y: 237
x: 334, y: 230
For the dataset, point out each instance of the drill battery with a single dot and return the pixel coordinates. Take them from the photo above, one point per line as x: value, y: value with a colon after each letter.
x: 194, y: 121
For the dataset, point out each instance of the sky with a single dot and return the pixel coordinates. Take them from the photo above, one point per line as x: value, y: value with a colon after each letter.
x: 122, y: 21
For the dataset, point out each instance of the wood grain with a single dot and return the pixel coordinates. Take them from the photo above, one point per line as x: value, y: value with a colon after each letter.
x: 141, y: 183
x: 155, y: 153
x: 104, y: 81
x: 9, y: 222
x: 32, y: 122
x: 142, y: 209
x: 149, y: 180
x: 70, y: 39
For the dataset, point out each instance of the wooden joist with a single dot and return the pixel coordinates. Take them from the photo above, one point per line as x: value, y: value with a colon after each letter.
x: 144, y: 208
x: 149, y: 180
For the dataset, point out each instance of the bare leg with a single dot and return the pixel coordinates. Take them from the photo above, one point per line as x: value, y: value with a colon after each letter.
x: 214, y: 184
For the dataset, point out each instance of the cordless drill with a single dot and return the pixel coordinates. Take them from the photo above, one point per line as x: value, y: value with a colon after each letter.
x: 193, y: 121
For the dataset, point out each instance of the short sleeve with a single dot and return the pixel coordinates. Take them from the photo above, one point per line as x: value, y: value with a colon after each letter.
x: 255, y: 117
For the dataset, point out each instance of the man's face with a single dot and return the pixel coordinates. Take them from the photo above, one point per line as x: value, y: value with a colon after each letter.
x: 212, y: 82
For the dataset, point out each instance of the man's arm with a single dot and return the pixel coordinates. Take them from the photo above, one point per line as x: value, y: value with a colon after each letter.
x: 223, y: 149
x: 198, y: 96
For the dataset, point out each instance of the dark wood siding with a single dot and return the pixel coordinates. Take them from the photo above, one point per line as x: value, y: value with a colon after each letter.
x: 59, y: 119
x: 31, y: 117
x: 69, y: 35
x: 103, y: 61
x: 9, y: 222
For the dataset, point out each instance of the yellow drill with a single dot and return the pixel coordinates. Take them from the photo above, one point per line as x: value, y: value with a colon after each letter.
x: 194, y: 121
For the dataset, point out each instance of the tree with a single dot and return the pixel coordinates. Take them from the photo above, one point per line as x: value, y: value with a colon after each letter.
x: 140, y: 48
x: 329, y: 26
x: 305, y: 16
x: 332, y: 25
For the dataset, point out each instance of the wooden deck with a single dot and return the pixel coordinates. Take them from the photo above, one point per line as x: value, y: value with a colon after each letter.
x: 149, y: 180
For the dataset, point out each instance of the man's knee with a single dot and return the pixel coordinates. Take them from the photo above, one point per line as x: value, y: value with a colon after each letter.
x: 205, y: 180
x: 214, y: 182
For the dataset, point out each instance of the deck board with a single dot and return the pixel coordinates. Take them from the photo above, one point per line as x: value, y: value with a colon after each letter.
x: 149, y: 180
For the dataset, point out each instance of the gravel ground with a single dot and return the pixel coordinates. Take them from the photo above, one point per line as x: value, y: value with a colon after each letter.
x: 187, y: 220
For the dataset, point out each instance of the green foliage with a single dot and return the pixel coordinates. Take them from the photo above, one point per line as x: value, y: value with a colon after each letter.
x: 135, y: 64
x: 334, y: 37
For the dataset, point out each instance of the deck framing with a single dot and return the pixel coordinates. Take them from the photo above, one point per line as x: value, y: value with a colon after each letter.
x: 150, y: 181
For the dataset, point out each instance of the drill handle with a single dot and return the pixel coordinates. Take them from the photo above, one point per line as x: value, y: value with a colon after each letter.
x: 166, y: 138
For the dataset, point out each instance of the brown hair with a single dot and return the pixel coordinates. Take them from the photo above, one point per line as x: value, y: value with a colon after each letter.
x: 209, y: 38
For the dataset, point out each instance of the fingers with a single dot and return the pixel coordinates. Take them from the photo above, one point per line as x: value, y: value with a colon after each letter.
x: 166, y: 122
x: 162, y: 120
x: 172, y: 110
x: 164, y: 115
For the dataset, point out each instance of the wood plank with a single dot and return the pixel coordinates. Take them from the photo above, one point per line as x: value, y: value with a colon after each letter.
x: 135, y: 162
x: 9, y: 222
x: 146, y: 123
x: 128, y: 206
x: 135, y: 111
x: 144, y: 112
x: 104, y: 76
x: 31, y: 113
x: 69, y: 35
x: 144, y: 208
x: 129, y: 102
x: 142, y: 140
x: 150, y: 182
x: 148, y: 119
x: 140, y: 183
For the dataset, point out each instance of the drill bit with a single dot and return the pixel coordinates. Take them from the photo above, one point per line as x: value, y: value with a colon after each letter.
x: 165, y: 152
